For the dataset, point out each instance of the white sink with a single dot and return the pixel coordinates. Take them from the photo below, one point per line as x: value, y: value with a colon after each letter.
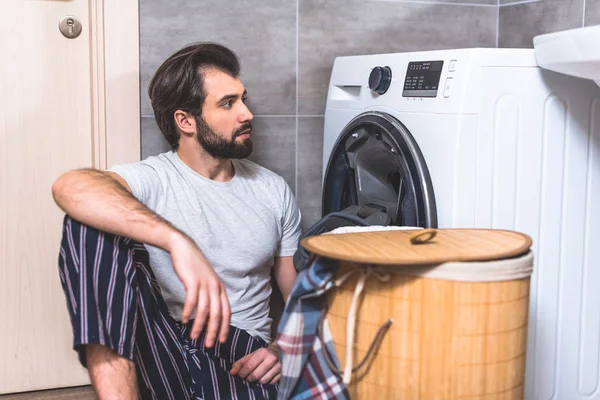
x: 573, y: 52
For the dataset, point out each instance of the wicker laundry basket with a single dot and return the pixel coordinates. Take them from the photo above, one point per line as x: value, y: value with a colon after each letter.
x: 444, y: 312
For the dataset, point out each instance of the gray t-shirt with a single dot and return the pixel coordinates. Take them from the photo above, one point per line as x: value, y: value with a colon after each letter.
x: 239, y: 225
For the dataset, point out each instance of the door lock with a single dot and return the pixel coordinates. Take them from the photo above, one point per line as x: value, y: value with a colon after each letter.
x: 69, y: 26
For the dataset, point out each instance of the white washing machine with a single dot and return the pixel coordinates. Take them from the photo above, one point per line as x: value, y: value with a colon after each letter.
x: 484, y: 138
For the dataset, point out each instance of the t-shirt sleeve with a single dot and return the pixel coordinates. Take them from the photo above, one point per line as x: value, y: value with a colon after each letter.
x: 292, y: 230
x: 144, y: 181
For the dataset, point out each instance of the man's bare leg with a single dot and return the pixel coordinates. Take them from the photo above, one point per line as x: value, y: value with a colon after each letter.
x: 113, y: 376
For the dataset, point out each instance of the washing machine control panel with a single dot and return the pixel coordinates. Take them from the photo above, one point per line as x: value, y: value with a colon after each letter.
x: 422, y: 78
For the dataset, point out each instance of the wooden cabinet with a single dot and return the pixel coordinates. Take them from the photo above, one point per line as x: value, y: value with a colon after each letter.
x: 64, y: 104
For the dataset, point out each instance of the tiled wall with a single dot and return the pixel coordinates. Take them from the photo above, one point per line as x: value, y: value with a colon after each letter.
x: 287, y: 48
x: 592, y: 12
x: 522, y: 20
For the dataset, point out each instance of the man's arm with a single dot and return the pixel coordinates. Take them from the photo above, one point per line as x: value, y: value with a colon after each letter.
x: 104, y: 201
x: 285, y: 275
x: 263, y: 365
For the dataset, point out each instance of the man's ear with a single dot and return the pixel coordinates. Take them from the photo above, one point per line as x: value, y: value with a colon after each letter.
x: 185, y: 122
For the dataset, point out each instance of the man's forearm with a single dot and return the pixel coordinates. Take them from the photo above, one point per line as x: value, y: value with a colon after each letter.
x: 96, y: 199
x: 285, y: 275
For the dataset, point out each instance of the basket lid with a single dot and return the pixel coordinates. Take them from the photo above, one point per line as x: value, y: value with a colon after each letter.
x: 419, y: 246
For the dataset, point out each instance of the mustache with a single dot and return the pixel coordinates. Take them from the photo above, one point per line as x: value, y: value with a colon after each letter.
x: 243, y: 128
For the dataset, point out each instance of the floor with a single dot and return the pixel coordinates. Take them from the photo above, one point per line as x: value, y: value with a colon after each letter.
x: 77, y: 393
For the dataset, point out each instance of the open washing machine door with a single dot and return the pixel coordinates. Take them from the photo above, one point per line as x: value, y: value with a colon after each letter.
x: 376, y: 165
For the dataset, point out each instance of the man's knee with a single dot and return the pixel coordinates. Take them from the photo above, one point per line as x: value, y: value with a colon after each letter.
x: 82, y: 244
x: 98, y: 277
x: 75, y: 231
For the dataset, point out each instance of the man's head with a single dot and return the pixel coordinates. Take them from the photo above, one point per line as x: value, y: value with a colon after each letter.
x: 197, y: 97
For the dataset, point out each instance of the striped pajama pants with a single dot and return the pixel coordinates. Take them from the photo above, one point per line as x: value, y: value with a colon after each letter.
x: 114, y: 300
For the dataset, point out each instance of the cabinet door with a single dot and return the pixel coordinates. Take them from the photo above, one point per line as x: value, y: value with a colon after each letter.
x: 45, y: 129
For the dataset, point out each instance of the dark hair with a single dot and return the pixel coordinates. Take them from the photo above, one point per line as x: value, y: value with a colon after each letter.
x: 178, y: 84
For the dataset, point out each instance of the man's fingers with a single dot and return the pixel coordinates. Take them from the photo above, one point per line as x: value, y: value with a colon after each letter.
x: 260, y: 365
x: 201, y: 313
x: 191, y: 299
x: 263, y: 368
x: 251, y: 364
x: 270, y: 375
x: 226, y: 317
x: 214, y: 320
x: 235, y: 368
x: 276, y: 379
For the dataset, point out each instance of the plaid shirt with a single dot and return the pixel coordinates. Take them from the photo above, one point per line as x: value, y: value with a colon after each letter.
x: 305, y: 372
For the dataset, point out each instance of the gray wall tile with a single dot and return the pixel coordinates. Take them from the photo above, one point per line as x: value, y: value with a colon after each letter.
x: 310, y: 155
x: 153, y: 142
x: 330, y: 28
x: 504, y: 2
x: 457, y: 2
x: 274, y: 146
x: 592, y: 12
x: 520, y: 23
x: 261, y: 32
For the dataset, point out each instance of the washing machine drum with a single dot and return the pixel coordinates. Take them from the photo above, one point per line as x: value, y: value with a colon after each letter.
x: 376, y: 164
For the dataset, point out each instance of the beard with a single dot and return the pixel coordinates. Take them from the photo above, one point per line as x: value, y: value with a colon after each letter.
x: 219, y: 147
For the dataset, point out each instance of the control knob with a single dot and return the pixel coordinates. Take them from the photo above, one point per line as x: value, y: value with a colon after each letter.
x: 380, y: 79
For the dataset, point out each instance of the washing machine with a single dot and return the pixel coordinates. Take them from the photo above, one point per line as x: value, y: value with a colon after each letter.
x: 483, y: 138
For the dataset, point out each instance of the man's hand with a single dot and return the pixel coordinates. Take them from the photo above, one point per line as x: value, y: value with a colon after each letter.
x: 262, y: 365
x: 205, y: 291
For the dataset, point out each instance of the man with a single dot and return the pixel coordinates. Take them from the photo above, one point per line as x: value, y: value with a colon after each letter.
x: 166, y: 263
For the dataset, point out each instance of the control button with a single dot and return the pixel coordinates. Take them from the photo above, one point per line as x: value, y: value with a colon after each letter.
x: 448, y: 87
x: 452, y: 65
x: 380, y: 79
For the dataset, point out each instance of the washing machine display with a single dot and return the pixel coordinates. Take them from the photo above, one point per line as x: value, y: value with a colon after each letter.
x: 422, y: 78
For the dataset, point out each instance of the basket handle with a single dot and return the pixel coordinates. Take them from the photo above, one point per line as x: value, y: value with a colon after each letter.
x: 423, y: 236
x: 378, y: 337
x: 348, y: 369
